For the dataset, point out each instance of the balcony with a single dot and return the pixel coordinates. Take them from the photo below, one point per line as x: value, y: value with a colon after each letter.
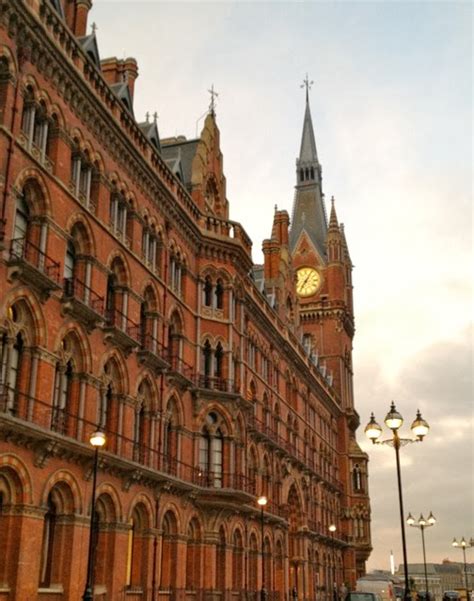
x: 120, y: 330
x: 180, y: 371
x: 215, y: 384
x: 224, y: 481
x: 28, y: 263
x: 152, y: 353
x: 41, y: 426
x: 83, y: 303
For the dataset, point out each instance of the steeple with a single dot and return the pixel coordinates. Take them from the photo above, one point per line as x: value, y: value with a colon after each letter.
x: 309, y: 213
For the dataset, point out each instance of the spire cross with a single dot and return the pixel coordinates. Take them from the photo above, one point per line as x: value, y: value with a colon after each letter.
x: 155, y: 117
x: 307, y: 84
x: 214, y: 95
x: 147, y: 117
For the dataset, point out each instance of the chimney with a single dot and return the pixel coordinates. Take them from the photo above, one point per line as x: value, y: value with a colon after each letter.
x: 79, y: 26
x: 117, y: 70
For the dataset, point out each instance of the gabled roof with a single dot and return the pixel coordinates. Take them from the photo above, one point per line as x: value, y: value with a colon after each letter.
x: 90, y: 47
x: 180, y: 151
x: 122, y: 92
x: 150, y: 129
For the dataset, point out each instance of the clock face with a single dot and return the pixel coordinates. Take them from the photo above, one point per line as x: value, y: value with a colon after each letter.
x: 307, y: 281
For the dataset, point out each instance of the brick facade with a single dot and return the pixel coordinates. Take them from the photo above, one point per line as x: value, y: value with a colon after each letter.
x: 129, y: 303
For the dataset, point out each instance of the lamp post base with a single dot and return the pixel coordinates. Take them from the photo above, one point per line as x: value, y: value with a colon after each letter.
x: 88, y: 594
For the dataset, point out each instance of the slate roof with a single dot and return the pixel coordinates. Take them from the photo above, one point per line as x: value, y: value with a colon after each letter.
x: 90, y: 47
x: 180, y: 153
x: 120, y: 89
x: 309, y: 212
x: 150, y: 129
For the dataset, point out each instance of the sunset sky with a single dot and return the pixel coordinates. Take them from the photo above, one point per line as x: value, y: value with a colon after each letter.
x: 392, y: 113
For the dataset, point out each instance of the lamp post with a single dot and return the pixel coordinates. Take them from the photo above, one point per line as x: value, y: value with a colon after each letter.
x: 462, y: 544
x: 394, y: 421
x: 97, y: 440
x: 422, y: 524
x: 332, y: 529
x: 262, y: 501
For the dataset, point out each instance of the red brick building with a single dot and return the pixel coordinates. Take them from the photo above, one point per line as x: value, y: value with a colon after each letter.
x: 129, y: 302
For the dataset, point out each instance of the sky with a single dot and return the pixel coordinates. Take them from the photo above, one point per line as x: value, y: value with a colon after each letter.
x: 392, y: 113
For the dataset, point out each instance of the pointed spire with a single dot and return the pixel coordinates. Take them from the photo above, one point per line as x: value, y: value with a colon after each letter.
x: 309, y: 213
x: 333, y: 223
x: 308, y: 152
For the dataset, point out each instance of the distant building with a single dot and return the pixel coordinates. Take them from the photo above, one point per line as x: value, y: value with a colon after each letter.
x: 447, y: 576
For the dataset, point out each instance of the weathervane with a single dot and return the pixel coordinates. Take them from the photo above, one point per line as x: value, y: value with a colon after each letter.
x: 214, y: 95
x: 307, y: 84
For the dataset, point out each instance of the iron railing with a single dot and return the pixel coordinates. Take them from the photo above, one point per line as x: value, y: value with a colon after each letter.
x: 116, y: 319
x: 75, y: 288
x: 22, y: 249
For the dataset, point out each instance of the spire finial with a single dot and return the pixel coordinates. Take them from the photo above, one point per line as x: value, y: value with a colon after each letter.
x: 212, y: 104
x: 155, y: 117
x: 307, y: 84
x: 147, y: 117
x: 94, y: 28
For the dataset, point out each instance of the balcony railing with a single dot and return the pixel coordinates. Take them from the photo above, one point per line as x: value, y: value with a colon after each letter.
x: 152, y: 352
x: 214, y: 383
x: 75, y: 288
x: 180, y: 367
x: 125, y: 331
x: 22, y: 251
x: 46, y: 419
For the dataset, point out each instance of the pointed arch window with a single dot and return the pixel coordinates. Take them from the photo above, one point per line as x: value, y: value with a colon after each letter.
x: 207, y: 292
x: 49, y: 527
x: 62, y: 396
x: 219, y: 294
x: 14, y: 373
x: 22, y: 220
x: 207, y: 359
x: 218, y: 361
x: 357, y: 478
x: 211, y: 447
x: 70, y: 261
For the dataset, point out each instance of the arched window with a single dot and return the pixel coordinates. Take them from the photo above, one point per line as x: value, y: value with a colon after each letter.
x: 169, y: 552
x: 219, y: 294
x: 221, y: 563
x: 193, y: 556
x: 138, y: 544
x: 48, y: 544
x: 207, y: 297
x: 5, y: 80
x: 62, y: 394
x: 207, y: 359
x: 14, y: 373
x: 22, y: 219
x: 253, y: 563
x: 70, y: 262
x: 119, y: 217
x: 357, y: 478
x: 218, y: 361
x: 211, y: 444
x: 237, y: 562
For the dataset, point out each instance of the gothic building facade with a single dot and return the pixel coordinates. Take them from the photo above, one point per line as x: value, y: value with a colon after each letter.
x: 129, y: 303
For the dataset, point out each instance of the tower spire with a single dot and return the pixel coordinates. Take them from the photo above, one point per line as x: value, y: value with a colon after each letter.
x: 309, y: 213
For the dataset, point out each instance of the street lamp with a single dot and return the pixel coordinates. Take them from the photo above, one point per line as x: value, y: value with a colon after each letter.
x: 422, y: 524
x: 462, y: 544
x: 394, y: 421
x: 97, y: 440
x: 262, y: 501
x: 332, y: 529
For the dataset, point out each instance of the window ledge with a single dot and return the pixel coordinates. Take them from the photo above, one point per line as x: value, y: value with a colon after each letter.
x: 53, y: 589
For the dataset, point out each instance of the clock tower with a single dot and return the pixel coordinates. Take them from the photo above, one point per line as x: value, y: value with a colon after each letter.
x: 322, y: 264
